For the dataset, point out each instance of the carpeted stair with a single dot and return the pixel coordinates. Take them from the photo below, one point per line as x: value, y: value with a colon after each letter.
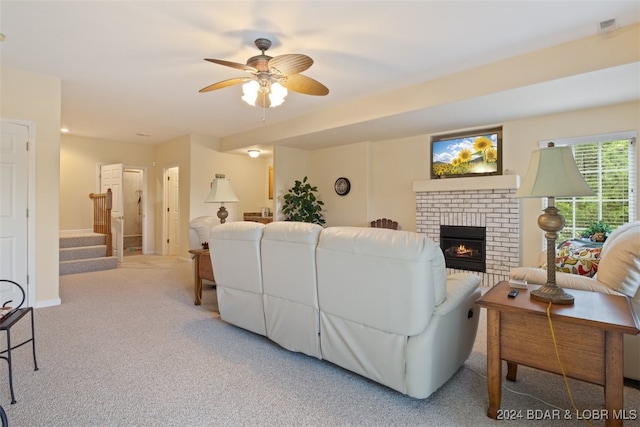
x: 84, y: 252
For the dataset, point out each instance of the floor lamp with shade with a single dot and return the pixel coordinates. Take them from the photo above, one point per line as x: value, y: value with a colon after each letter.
x: 552, y: 173
x: 221, y: 192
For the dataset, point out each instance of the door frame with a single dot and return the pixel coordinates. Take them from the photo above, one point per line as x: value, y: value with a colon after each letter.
x: 145, y: 198
x: 31, y: 206
x: 146, y: 236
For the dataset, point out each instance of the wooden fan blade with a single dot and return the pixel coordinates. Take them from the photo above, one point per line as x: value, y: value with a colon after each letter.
x: 224, y: 83
x: 293, y: 63
x: 235, y: 65
x: 303, y: 84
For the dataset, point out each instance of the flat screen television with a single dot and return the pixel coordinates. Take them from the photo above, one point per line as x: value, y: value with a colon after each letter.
x: 474, y: 153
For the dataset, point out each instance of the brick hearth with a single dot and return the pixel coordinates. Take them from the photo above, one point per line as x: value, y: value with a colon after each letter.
x: 478, y: 202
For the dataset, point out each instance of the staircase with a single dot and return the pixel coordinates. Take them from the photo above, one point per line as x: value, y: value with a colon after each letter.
x: 84, y: 252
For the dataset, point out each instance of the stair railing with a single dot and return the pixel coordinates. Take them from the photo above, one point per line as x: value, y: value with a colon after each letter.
x: 102, y: 217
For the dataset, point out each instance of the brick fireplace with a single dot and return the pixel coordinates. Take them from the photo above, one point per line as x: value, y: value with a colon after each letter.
x: 477, y: 202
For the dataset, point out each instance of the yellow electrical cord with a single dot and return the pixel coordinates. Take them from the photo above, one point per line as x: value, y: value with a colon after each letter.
x: 564, y: 376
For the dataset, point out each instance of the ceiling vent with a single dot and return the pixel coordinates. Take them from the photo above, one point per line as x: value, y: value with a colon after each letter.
x: 607, y: 26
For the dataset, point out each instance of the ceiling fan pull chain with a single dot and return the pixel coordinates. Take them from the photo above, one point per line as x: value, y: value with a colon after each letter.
x: 264, y: 107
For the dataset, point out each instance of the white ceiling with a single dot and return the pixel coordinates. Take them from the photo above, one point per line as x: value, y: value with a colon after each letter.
x: 134, y: 68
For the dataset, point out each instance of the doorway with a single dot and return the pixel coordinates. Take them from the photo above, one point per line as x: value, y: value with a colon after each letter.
x: 133, y: 198
x: 129, y: 209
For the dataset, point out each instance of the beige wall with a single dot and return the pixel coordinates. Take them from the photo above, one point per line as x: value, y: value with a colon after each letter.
x: 394, y: 165
x: 249, y: 179
x: 174, y: 153
x: 352, y: 162
x: 289, y: 165
x: 37, y: 99
x: 198, y: 161
x: 80, y: 160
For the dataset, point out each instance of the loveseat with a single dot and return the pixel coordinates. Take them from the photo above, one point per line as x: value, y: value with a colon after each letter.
x: 618, y: 273
x: 377, y: 302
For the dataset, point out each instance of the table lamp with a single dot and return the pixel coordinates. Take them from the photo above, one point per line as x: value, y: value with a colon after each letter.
x: 552, y: 173
x: 221, y: 192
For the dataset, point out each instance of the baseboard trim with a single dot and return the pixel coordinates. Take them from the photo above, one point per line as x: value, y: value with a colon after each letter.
x: 48, y: 303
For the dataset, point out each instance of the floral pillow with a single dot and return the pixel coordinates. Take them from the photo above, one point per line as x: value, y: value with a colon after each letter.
x: 583, y: 261
x: 577, y: 258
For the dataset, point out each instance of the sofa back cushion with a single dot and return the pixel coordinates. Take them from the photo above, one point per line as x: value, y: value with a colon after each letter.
x: 617, y: 233
x: 385, y: 279
x: 619, y: 266
x: 235, y: 255
x: 289, y: 261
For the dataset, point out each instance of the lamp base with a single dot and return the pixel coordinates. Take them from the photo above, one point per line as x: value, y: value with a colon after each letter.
x: 223, y: 214
x: 552, y: 293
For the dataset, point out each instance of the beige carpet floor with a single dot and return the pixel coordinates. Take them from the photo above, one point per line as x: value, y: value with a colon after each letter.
x: 127, y: 347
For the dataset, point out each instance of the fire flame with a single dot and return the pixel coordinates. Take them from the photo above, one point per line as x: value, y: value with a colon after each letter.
x: 462, y: 249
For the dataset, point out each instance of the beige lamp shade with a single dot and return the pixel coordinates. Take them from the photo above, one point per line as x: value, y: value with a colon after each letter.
x: 553, y: 173
x: 221, y: 191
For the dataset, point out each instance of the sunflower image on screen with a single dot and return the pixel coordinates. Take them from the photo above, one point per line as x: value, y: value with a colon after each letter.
x: 467, y: 154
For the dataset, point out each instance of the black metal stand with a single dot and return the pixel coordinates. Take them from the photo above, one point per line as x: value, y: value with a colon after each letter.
x: 6, y: 323
x: 3, y: 417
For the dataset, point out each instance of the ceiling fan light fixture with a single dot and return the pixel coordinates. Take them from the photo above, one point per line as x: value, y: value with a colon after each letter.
x: 277, y: 94
x: 250, y: 90
x: 268, y: 75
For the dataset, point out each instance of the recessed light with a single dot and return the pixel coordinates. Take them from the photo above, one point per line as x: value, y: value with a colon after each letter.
x: 64, y: 130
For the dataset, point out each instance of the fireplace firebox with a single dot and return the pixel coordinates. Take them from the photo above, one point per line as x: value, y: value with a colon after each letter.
x: 464, y: 247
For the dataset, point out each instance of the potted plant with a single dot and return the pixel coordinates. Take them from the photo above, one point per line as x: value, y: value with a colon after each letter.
x: 301, y: 203
x: 597, y: 231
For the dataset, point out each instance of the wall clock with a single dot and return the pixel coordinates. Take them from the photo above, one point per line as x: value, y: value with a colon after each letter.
x: 342, y: 186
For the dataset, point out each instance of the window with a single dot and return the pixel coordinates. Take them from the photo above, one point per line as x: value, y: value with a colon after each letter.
x: 607, y: 163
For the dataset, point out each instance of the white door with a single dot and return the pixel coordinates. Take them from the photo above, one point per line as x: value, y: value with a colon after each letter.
x: 173, y: 211
x: 111, y: 176
x: 13, y: 211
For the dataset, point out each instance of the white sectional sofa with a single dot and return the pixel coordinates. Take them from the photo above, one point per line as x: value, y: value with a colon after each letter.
x: 377, y: 302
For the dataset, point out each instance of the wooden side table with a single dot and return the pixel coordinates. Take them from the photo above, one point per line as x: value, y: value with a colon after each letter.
x: 202, y: 270
x: 588, y: 333
x: 257, y: 217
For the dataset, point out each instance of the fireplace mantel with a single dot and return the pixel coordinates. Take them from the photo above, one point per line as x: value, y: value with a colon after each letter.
x: 497, y: 182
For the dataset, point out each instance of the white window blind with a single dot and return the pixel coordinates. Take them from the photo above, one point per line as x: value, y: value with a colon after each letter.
x: 608, y: 164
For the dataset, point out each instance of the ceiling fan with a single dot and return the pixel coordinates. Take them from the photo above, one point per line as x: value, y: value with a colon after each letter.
x: 272, y: 77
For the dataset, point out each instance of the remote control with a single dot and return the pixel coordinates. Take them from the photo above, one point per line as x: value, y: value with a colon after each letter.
x: 513, y: 293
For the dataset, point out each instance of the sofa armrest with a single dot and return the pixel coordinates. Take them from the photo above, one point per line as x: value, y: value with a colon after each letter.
x: 459, y: 287
x: 538, y: 276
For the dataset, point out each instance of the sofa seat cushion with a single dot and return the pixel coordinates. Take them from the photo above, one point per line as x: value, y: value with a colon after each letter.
x: 538, y: 276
